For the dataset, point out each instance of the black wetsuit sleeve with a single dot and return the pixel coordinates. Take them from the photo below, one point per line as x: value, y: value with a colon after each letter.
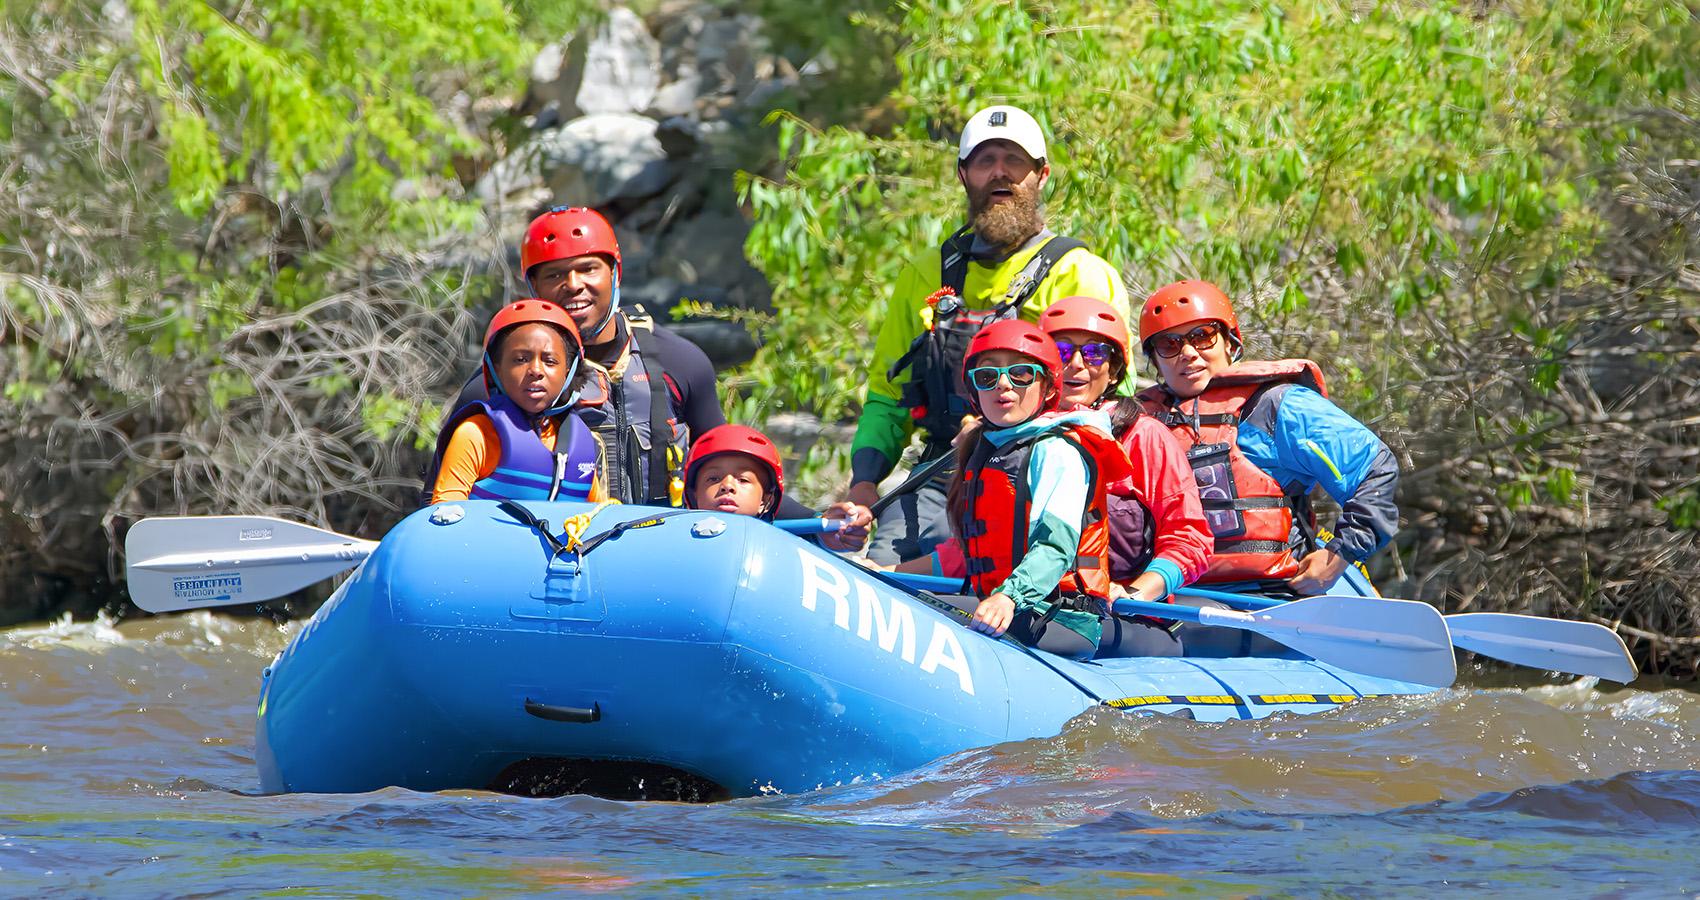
x: 1371, y: 517
x: 869, y: 464
x: 692, y: 376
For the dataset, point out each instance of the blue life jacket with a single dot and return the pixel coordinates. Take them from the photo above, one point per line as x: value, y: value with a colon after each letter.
x: 526, y: 469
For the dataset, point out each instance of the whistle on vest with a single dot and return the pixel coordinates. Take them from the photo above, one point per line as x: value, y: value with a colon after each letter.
x: 941, y: 304
x: 675, y: 477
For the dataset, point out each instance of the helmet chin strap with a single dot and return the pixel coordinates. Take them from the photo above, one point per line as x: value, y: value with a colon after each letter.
x: 613, y: 307
x: 563, y: 401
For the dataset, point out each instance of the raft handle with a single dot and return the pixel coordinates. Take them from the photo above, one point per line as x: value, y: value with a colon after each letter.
x: 564, y: 713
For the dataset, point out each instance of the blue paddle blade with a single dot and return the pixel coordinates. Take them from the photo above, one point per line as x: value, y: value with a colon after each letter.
x: 1559, y: 645
x: 1398, y: 639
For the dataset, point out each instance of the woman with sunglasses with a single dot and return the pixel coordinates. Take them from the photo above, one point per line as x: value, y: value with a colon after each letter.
x: 1028, y: 505
x: 1159, y: 540
x: 1260, y: 436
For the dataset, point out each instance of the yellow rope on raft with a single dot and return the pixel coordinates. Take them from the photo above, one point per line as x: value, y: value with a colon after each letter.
x: 574, y: 527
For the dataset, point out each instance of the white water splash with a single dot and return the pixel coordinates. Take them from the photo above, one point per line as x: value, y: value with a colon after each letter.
x: 98, y: 634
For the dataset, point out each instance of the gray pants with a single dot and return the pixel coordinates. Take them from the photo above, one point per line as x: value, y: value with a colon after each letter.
x: 912, y: 526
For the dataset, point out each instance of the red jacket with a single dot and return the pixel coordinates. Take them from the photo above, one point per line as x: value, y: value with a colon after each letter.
x: 1163, y: 483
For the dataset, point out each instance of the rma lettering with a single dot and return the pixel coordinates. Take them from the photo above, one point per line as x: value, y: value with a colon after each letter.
x: 892, y: 630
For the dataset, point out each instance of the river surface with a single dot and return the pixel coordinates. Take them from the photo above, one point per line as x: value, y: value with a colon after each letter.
x: 126, y: 769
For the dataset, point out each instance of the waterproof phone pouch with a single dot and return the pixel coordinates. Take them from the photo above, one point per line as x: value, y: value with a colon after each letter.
x: 1213, y: 469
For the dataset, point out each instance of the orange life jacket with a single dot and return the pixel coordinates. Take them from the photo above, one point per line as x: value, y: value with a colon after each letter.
x: 1251, y: 514
x: 997, y: 502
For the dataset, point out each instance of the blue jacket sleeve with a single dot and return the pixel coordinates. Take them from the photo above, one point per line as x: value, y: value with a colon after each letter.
x: 1323, y: 444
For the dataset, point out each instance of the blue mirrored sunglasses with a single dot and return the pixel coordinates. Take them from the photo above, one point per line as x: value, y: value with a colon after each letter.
x: 985, y: 378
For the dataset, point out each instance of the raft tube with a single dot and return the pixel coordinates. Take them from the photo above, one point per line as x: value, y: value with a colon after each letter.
x: 715, y: 648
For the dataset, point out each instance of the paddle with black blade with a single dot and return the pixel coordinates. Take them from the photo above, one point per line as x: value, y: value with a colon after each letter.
x: 918, y: 476
x: 1397, y: 639
x: 1557, y: 645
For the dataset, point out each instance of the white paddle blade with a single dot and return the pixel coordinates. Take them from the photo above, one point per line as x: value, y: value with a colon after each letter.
x: 192, y: 562
x: 1558, y: 645
x: 1399, y: 639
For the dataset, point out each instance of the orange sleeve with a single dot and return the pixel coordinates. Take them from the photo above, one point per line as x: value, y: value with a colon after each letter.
x: 466, y: 459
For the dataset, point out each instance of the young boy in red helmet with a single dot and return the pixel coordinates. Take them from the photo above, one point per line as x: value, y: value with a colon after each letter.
x: 1028, y: 506
x: 1260, y: 437
x: 525, y: 442
x: 736, y: 469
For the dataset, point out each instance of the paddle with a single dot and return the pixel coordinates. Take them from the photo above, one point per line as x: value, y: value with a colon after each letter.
x: 190, y: 562
x: 918, y: 476
x: 810, y: 526
x: 1557, y: 645
x: 1395, y: 639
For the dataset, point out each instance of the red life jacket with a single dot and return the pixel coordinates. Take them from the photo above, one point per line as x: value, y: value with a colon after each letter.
x: 1251, y: 514
x: 997, y: 502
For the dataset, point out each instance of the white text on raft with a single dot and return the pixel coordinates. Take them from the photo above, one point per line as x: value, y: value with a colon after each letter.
x: 895, y: 632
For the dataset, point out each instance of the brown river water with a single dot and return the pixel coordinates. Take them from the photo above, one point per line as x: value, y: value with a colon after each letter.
x: 126, y: 769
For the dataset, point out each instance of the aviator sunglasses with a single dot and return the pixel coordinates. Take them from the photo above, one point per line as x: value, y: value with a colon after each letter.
x: 985, y: 378
x: 1095, y: 353
x: 1168, y: 346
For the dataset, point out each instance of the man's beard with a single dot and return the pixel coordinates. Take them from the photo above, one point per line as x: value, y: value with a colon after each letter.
x: 1011, y: 222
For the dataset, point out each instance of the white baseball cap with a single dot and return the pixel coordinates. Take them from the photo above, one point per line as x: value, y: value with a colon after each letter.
x: 1002, y: 123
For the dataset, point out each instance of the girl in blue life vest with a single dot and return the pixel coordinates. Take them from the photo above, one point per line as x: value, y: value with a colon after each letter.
x: 525, y: 442
x: 1028, y: 505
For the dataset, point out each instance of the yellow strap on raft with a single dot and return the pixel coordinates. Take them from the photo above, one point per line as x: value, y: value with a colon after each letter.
x: 574, y: 527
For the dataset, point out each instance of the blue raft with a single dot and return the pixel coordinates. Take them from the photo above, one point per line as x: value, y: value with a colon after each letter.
x: 717, y: 650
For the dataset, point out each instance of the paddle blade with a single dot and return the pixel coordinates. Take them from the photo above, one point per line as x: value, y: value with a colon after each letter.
x: 191, y: 562
x: 1399, y: 639
x: 1559, y: 645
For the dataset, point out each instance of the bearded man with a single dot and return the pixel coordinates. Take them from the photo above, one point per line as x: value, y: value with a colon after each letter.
x: 1003, y: 263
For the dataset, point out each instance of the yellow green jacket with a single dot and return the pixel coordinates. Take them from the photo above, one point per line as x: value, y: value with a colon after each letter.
x: 885, y: 426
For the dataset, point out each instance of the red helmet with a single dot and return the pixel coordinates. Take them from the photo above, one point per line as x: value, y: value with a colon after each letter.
x: 565, y: 232
x: 1183, y: 303
x: 1022, y: 337
x: 737, y: 439
x: 522, y: 312
x: 1087, y: 314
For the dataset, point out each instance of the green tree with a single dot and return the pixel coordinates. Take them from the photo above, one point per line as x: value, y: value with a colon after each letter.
x: 1452, y: 206
x: 236, y: 250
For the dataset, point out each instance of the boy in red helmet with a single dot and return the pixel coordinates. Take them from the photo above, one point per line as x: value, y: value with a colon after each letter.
x: 525, y: 442
x: 736, y: 469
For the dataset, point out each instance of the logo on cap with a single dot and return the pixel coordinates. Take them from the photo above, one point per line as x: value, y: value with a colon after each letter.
x: 997, y: 118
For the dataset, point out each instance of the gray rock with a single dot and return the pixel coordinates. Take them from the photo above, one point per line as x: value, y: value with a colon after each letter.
x: 589, y: 161
x: 725, y: 343
x: 621, y: 66
x: 679, y: 96
x: 679, y: 136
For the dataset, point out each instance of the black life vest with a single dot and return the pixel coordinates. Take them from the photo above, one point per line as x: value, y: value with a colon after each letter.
x: 627, y: 406
x: 934, y: 394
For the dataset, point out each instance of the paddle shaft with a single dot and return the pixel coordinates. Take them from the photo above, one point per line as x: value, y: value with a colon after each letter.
x: 810, y: 526
x: 918, y: 476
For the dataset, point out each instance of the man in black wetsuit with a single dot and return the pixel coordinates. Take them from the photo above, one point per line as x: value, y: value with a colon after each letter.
x: 640, y: 380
